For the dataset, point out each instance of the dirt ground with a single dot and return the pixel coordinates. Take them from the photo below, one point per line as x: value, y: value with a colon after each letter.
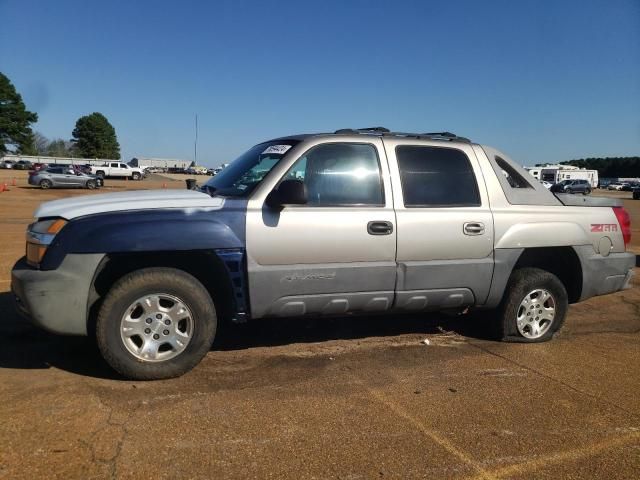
x: 345, y: 398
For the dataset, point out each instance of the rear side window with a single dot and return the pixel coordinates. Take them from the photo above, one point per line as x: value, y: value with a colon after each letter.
x: 513, y: 177
x: 436, y: 177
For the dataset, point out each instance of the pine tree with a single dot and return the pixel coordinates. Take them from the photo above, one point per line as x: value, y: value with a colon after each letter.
x: 15, y: 121
x: 95, y: 137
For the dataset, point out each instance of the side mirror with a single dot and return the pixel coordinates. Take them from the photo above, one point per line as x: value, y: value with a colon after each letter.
x: 290, y: 192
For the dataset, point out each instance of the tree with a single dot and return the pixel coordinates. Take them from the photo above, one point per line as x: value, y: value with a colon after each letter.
x: 95, y: 137
x: 15, y: 120
x: 41, y: 143
x: 59, y: 148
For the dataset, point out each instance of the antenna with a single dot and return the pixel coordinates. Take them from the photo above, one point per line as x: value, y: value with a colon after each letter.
x: 195, y: 145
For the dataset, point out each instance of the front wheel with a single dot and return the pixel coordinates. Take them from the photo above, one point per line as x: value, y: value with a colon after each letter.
x: 156, y: 323
x: 135, y: 176
x: 533, y: 308
x: 91, y: 184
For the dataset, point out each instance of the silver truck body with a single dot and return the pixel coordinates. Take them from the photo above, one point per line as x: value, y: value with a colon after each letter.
x: 508, y: 240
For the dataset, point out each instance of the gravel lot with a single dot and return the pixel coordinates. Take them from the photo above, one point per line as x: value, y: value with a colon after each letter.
x: 341, y: 398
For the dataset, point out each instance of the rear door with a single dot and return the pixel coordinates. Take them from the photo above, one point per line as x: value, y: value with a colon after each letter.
x: 444, y: 224
x: 336, y: 253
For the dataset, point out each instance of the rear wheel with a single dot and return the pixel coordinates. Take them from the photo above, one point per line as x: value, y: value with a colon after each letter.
x: 45, y: 184
x: 100, y: 173
x: 587, y: 191
x: 156, y: 323
x: 533, y: 308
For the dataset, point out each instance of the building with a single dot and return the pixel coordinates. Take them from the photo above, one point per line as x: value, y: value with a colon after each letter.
x: 558, y: 173
x: 159, y: 162
x: 57, y: 160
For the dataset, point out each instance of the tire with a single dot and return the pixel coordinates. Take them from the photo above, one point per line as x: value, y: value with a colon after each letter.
x: 135, y: 176
x: 587, y: 192
x: 120, y: 312
x: 45, y: 184
x: 91, y: 184
x: 569, y: 191
x: 518, y: 302
x: 100, y: 174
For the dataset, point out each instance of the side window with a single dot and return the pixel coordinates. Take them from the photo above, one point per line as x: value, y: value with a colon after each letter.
x: 436, y: 177
x: 114, y: 165
x: 122, y: 165
x: 340, y: 174
x: 513, y: 177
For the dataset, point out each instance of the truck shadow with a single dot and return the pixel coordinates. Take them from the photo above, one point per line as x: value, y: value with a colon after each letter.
x: 25, y: 347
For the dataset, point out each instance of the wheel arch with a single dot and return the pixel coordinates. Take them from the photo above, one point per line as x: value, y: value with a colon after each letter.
x: 562, y: 261
x: 222, y: 272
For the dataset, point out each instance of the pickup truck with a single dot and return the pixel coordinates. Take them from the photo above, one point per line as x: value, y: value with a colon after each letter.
x: 357, y: 221
x: 117, y: 169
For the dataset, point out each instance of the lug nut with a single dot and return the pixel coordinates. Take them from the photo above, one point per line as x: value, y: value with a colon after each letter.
x: 147, y: 330
x: 158, y: 316
x: 148, y: 320
x: 167, y: 322
x: 165, y: 332
x: 156, y: 336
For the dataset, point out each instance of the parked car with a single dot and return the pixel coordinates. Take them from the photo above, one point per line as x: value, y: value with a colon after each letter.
x: 572, y: 186
x: 636, y: 193
x: 63, y: 177
x: 359, y: 221
x: 117, y: 170
x: 23, y: 165
x: 7, y: 164
x: 629, y: 187
x: 615, y: 186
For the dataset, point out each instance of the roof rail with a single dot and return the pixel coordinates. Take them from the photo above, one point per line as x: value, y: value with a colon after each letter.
x: 385, y: 132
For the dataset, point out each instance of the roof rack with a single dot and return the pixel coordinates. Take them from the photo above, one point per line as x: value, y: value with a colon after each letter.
x: 385, y: 132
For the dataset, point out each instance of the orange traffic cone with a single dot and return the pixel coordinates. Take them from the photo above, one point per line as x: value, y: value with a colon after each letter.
x: 5, y: 187
x: 1, y: 187
x: 13, y: 182
x: 164, y: 185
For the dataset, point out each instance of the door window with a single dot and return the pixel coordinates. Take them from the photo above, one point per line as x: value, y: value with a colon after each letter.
x: 340, y: 174
x: 436, y: 177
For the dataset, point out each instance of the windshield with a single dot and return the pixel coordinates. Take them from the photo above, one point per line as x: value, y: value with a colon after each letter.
x: 245, y: 173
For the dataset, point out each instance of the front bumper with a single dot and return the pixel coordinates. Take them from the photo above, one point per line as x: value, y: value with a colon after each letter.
x: 56, y: 300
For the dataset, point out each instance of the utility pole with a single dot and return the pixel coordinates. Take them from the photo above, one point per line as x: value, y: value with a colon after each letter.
x: 195, y: 145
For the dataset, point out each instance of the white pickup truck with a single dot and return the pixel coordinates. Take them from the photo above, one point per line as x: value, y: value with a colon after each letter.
x: 117, y: 169
x: 358, y: 221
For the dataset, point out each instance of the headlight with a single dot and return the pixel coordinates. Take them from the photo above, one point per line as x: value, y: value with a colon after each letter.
x: 39, y: 236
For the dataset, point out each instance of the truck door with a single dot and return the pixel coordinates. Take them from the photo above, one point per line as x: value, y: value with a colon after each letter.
x: 444, y: 224
x: 337, y: 252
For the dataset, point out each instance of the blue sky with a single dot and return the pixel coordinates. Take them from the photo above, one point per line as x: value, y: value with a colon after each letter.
x: 541, y: 80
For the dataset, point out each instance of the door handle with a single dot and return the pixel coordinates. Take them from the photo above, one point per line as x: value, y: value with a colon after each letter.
x: 380, y: 228
x: 473, y: 228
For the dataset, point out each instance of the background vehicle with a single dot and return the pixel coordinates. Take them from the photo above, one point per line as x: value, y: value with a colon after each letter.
x: 636, y: 193
x: 359, y: 221
x: 117, y: 169
x: 23, y: 165
x: 629, y: 187
x: 63, y: 177
x: 615, y: 186
x: 572, y: 186
x: 7, y: 164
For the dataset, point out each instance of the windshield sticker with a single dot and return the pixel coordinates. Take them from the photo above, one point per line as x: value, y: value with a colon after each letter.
x: 277, y: 149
